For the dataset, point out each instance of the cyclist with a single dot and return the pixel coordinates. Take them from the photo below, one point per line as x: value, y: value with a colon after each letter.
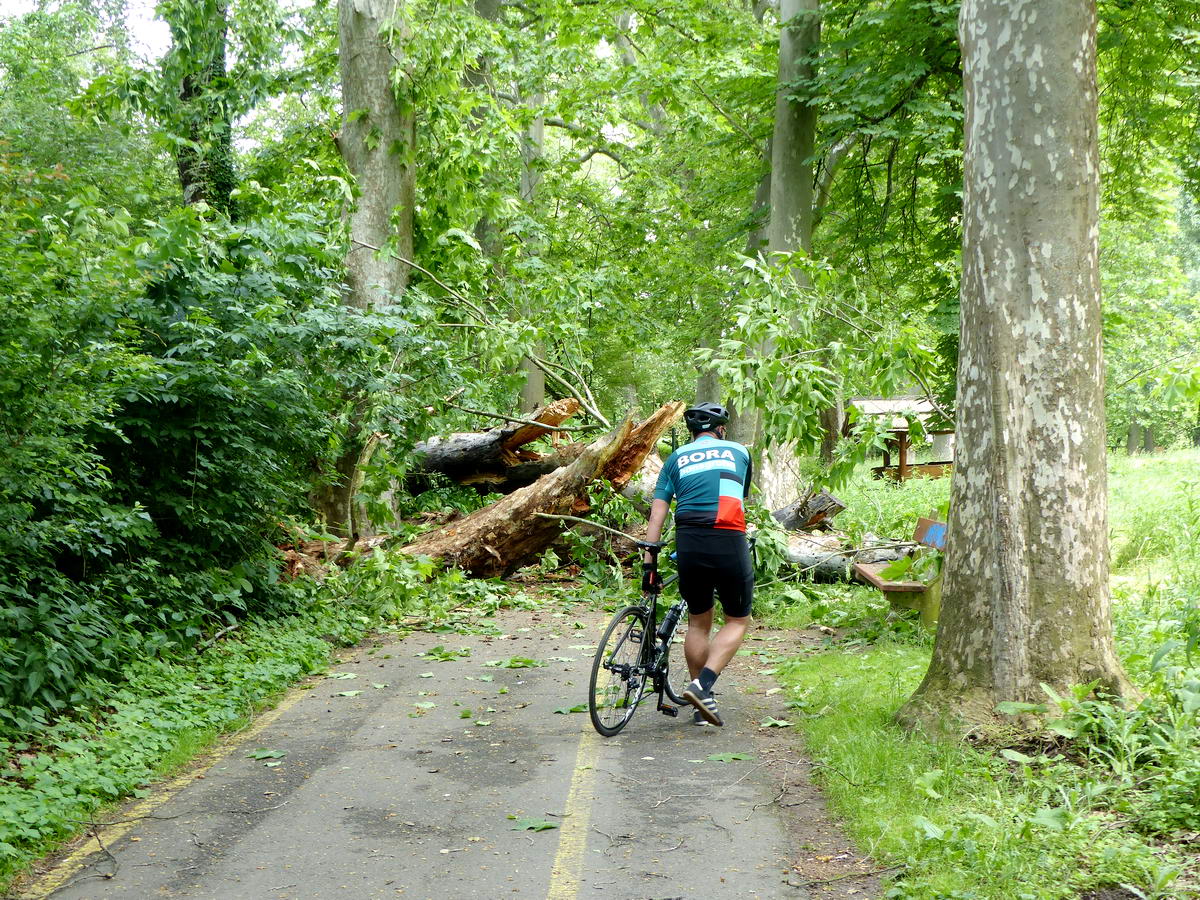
x: 709, y: 479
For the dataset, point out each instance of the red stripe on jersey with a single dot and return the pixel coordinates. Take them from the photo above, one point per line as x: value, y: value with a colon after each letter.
x: 730, y: 514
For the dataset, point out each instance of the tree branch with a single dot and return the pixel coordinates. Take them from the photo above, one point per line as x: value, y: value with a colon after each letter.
x: 504, y: 418
x: 757, y: 145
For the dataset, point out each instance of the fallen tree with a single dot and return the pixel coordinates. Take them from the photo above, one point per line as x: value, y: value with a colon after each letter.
x: 499, y: 459
x: 499, y: 538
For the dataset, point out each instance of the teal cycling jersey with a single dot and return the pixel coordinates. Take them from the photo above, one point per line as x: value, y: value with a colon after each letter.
x: 709, y: 480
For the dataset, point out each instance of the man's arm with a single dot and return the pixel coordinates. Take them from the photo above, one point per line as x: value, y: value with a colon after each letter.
x: 658, y: 515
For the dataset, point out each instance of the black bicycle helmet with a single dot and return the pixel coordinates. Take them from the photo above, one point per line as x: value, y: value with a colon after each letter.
x: 705, y: 417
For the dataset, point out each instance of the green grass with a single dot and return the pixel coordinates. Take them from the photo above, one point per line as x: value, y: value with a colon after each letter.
x: 1154, y: 512
x: 964, y: 821
x: 960, y: 822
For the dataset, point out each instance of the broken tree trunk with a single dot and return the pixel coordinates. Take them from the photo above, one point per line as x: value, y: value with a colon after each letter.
x: 497, y: 460
x: 809, y: 511
x: 497, y: 538
x: 644, y: 438
x: 501, y: 537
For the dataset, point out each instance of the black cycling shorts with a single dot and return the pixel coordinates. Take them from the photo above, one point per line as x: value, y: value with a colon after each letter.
x: 714, y: 559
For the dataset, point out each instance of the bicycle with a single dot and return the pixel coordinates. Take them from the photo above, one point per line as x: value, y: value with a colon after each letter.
x: 627, y: 664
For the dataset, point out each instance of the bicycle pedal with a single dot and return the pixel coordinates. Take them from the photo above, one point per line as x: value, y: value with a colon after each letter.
x: 671, y: 711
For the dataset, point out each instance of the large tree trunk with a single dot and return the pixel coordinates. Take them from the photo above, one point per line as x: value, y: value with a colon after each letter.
x: 500, y: 537
x: 794, y: 138
x: 377, y: 142
x: 487, y: 458
x: 1026, y: 597
x: 791, y: 192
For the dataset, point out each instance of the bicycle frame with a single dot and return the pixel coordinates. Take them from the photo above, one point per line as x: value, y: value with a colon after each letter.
x: 654, y: 652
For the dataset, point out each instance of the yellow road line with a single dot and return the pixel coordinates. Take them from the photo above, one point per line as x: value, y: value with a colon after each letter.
x: 70, y: 865
x: 567, y: 870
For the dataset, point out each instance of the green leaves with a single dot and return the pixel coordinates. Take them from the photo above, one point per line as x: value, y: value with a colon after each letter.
x: 729, y: 757
x: 529, y: 823
x: 262, y: 753
x: 442, y: 654
x: 578, y: 708
x: 516, y: 662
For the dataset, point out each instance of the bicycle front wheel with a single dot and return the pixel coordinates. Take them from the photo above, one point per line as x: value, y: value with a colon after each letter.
x: 618, y: 671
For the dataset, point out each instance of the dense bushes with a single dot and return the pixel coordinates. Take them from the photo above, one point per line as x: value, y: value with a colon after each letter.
x: 165, y: 399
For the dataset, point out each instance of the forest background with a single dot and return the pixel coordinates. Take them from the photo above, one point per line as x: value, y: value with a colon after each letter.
x: 189, y: 375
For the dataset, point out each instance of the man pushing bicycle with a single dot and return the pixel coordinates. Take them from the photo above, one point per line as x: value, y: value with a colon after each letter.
x: 709, y: 480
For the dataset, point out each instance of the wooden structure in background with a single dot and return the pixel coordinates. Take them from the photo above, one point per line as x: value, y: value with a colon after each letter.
x: 895, y: 408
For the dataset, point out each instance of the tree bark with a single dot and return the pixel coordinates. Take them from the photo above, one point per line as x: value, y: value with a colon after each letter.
x: 501, y: 537
x: 809, y: 511
x: 795, y: 132
x: 377, y: 143
x: 486, y: 458
x: 791, y: 192
x: 1026, y: 596
x: 1133, y: 437
x: 533, y: 390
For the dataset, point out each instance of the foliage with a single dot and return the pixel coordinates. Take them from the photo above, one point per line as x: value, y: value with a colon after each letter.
x: 824, y: 342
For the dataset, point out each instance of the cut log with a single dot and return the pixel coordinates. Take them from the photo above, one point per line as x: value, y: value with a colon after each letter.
x: 491, y: 454
x: 827, y: 557
x: 823, y: 557
x: 809, y: 512
x: 498, y: 538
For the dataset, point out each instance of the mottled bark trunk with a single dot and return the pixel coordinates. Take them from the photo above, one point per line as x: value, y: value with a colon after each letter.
x: 1026, y: 595
x: 377, y: 142
x: 1148, y: 443
x: 795, y: 133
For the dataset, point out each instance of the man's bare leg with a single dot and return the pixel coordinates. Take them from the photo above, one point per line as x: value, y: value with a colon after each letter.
x: 696, y: 644
x: 725, y: 643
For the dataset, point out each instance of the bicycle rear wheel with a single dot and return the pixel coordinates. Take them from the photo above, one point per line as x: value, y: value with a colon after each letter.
x: 618, y: 673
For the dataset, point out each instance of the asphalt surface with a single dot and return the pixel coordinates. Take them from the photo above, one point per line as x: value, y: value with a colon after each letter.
x: 381, y: 794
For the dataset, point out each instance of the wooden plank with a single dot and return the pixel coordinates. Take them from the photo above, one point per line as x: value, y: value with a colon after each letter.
x: 869, y: 572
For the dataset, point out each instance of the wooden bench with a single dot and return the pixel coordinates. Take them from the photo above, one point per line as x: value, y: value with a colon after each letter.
x: 927, y: 598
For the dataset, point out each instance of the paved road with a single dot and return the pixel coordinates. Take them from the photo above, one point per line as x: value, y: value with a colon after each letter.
x: 380, y: 797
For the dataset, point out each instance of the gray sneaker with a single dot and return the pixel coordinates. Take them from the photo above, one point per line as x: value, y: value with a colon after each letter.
x: 703, y: 701
x: 698, y: 719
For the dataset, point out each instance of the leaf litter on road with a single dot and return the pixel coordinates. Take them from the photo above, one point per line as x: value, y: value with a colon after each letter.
x: 515, y: 662
x: 530, y: 823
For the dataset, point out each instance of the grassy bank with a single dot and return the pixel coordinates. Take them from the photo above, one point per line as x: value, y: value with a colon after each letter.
x: 1113, y: 804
